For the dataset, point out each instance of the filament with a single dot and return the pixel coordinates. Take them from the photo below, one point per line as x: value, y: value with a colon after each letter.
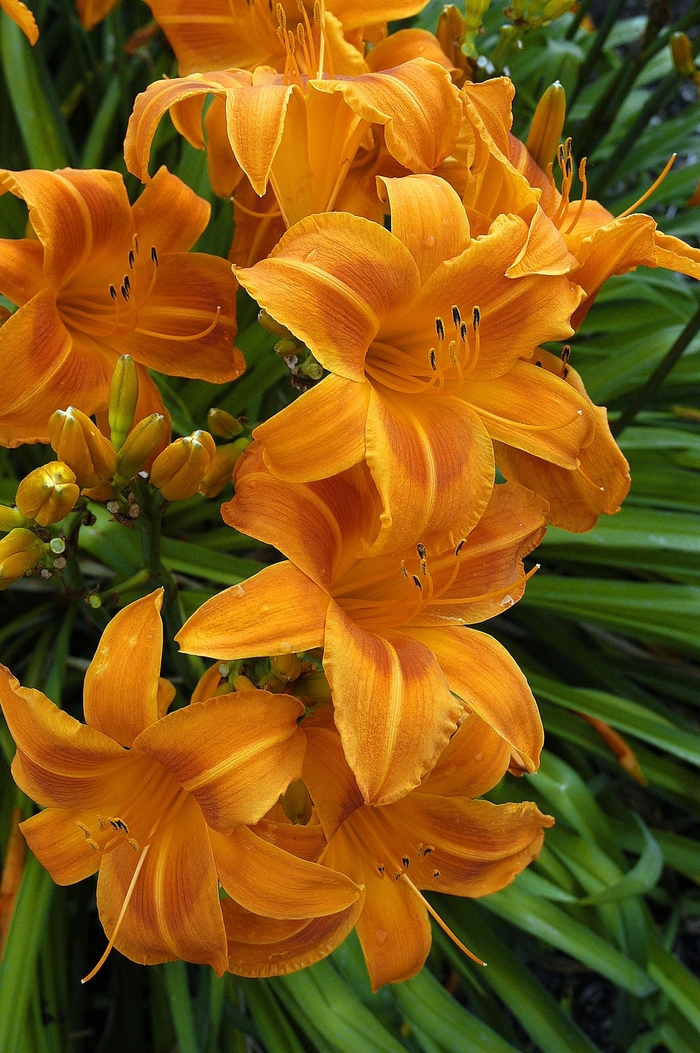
x: 443, y: 925
x: 650, y: 191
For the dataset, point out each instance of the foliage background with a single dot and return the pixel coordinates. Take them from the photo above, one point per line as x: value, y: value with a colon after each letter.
x: 595, y: 947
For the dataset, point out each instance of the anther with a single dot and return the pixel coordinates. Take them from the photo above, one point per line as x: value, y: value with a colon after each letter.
x: 433, y: 361
x: 476, y: 318
x: 440, y: 328
x: 154, y: 255
x: 421, y: 550
x: 125, y: 293
x: 456, y: 316
x: 131, y: 258
x: 459, y: 548
x: 403, y: 568
x: 134, y: 844
x: 127, y: 283
x: 436, y: 873
x: 83, y: 827
x: 416, y: 581
x: 93, y: 844
x: 112, y: 292
x: 381, y: 868
x: 406, y: 861
x: 463, y: 331
x: 428, y: 849
x: 102, y: 822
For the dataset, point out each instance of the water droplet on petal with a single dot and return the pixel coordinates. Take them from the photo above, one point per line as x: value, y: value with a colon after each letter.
x: 507, y: 601
x: 239, y: 591
x: 380, y: 936
x: 429, y: 241
x: 285, y: 647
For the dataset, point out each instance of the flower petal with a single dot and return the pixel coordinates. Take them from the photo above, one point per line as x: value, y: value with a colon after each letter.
x: 478, y: 847
x: 67, y: 761
x: 392, y: 706
x: 544, y: 252
x: 328, y: 776
x: 256, y: 118
x: 266, y: 947
x: 23, y: 17
x: 331, y: 281
x: 482, y: 673
x: 60, y: 845
x: 356, y: 13
x: 169, y: 215
x: 535, y: 411
x: 317, y: 525
x: 432, y: 462
x: 428, y: 217
x: 45, y: 370
x: 473, y: 761
x: 277, y: 611
x: 235, y: 753
x: 121, y: 682
x: 675, y: 255
x: 21, y: 275
x: 404, y: 45
x: 297, y: 452
x: 79, y: 217
x: 269, y: 881
x: 216, y: 34
x: 616, y: 248
x: 174, y: 910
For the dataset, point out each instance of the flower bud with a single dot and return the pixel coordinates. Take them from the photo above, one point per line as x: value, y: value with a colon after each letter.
x: 268, y: 322
x: 296, y: 803
x: 181, y: 467
x: 139, y: 445
x: 286, y: 667
x: 20, y: 551
x: 223, y: 424
x: 123, y: 396
x: 313, y: 689
x: 452, y: 33
x: 48, y: 493
x: 221, y: 468
x: 547, y: 125
x: 10, y: 518
x: 80, y: 444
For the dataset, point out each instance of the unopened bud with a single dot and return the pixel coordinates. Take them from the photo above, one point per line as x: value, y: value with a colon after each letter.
x: 537, y: 13
x: 80, y: 444
x: 181, y: 467
x: 311, y: 368
x: 221, y: 468
x: 139, y: 445
x: 296, y: 803
x: 48, y: 493
x: 286, y: 667
x: 682, y: 54
x: 242, y: 683
x: 57, y: 546
x: 223, y: 424
x: 270, y: 682
x: 123, y: 396
x: 286, y: 347
x: 451, y: 34
x: 20, y: 551
x: 10, y: 518
x: 313, y: 688
x: 547, y: 125
x: 268, y: 322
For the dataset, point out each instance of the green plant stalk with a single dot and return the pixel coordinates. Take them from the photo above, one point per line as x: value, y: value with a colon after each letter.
x: 583, y: 9
x: 647, y: 392
x: 594, y: 52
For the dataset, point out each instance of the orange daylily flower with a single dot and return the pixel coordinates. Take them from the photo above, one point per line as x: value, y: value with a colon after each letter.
x: 161, y: 804
x: 23, y: 17
x: 221, y: 34
x: 391, y: 626
x: 427, y: 338
x: 101, y: 279
x: 437, y: 838
x: 92, y: 12
x: 298, y: 133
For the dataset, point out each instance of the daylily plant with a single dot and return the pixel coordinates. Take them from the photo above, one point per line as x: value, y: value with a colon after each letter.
x: 391, y: 626
x: 162, y: 804
x: 98, y: 278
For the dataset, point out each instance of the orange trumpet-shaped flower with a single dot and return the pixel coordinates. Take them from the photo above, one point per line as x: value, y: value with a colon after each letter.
x: 222, y: 34
x: 160, y: 803
x: 427, y: 338
x: 24, y: 18
x: 437, y: 838
x: 391, y: 626
x: 300, y: 133
x: 101, y: 279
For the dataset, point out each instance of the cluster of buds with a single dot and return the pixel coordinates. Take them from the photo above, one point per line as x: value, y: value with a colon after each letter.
x: 534, y: 14
x: 682, y: 56
x: 288, y: 674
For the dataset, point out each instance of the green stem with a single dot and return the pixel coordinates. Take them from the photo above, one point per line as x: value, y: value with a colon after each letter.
x: 646, y: 393
x: 583, y: 9
x: 596, y: 48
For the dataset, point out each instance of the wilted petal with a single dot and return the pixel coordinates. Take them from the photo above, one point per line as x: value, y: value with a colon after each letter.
x: 174, y: 910
x: 121, y: 682
x: 235, y: 753
x: 277, y: 611
x: 269, y: 881
x: 482, y: 673
x: 393, y: 707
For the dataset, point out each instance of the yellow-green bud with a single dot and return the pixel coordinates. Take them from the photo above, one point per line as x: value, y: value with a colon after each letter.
x: 268, y: 322
x: 48, y: 493
x: 220, y: 470
x: 139, y: 445
x: 313, y: 688
x: 242, y: 683
x: 123, y: 396
x: 296, y: 803
x: 11, y: 518
x: 286, y: 667
x: 181, y: 467
x: 537, y: 13
x: 20, y: 551
x: 223, y: 424
x: 547, y: 125
x: 682, y: 54
x: 271, y: 683
x: 80, y: 444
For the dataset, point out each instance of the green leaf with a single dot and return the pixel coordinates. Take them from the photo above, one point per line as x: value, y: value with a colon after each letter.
x: 181, y: 1006
x: 188, y: 558
x: 681, y: 987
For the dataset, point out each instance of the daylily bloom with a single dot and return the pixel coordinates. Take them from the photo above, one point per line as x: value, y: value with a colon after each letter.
x: 161, y: 804
x: 92, y: 12
x: 436, y: 838
x: 300, y: 133
x: 427, y: 338
x: 24, y: 18
x: 101, y: 279
x: 390, y: 625
x: 222, y: 34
